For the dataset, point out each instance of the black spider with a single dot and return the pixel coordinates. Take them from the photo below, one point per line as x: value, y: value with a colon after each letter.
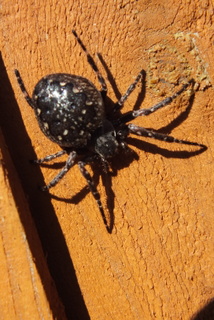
x: 71, y: 112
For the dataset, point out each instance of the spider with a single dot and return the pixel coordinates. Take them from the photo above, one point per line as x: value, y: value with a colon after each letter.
x: 72, y: 113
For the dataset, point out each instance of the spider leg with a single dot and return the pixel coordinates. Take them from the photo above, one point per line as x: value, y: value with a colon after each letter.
x: 23, y: 89
x: 93, y: 65
x: 130, y: 115
x: 50, y: 157
x: 131, y: 88
x: 140, y: 131
x: 93, y: 190
x: 69, y: 163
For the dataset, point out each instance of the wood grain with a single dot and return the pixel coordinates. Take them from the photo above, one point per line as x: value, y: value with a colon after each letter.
x: 27, y: 290
x: 158, y: 261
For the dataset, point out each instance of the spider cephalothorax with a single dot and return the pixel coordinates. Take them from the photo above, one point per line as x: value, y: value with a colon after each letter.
x: 71, y: 112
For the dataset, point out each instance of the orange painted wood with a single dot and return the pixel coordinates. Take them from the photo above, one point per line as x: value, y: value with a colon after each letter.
x: 27, y: 290
x: 158, y: 261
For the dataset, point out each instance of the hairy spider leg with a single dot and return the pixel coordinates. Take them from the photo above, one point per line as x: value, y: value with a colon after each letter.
x: 120, y: 103
x: 50, y: 157
x: 68, y: 165
x: 140, y: 131
x: 93, y: 65
x: 23, y: 89
x: 163, y: 103
x: 93, y: 190
x: 131, y: 115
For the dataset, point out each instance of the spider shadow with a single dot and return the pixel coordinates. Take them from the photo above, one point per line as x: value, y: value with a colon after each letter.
x: 106, y: 178
x: 98, y: 173
x: 179, y: 119
x: 110, y: 77
x: 153, y: 148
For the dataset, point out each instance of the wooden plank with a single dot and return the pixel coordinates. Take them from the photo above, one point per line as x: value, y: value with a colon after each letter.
x: 158, y: 261
x: 27, y: 290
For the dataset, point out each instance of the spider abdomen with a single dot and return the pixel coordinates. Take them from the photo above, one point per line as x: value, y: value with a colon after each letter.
x: 68, y: 108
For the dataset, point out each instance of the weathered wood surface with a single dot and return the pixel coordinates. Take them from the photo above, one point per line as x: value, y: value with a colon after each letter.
x: 158, y: 263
